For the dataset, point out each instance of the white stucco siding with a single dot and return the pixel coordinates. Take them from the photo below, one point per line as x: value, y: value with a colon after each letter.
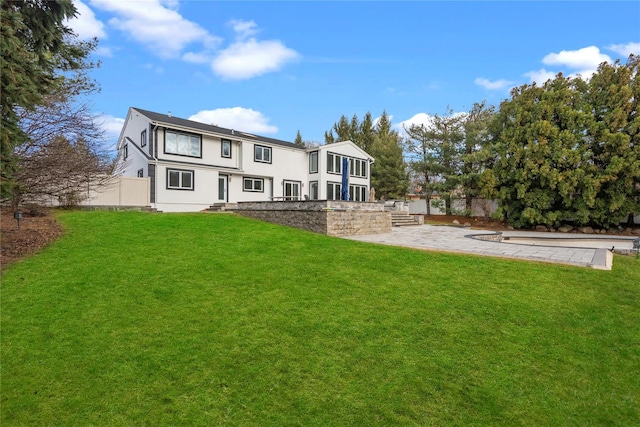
x: 287, y: 164
x: 200, y: 194
x: 134, y: 162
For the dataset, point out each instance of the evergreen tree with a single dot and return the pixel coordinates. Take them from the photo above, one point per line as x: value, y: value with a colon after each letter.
x: 475, y: 151
x: 569, y: 149
x: 298, y: 141
x: 36, y: 48
x: 422, y: 149
x: 389, y: 173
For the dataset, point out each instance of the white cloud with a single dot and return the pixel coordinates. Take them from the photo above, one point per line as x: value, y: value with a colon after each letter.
x: 85, y: 24
x: 540, y: 76
x: 104, y: 51
x: 625, y: 49
x: 243, y: 29
x: 197, y: 58
x: 493, y: 85
x: 160, y: 28
x: 250, y: 58
x: 417, y: 119
x: 587, y: 58
x: 238, y: 118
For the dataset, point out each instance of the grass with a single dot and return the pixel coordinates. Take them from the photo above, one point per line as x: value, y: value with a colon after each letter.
x: 194, y: 319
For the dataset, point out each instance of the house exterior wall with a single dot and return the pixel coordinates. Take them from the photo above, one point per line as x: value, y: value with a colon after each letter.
x: 190, y: 181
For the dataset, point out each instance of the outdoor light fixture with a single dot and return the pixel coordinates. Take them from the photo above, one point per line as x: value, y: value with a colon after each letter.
x: 18, y: 217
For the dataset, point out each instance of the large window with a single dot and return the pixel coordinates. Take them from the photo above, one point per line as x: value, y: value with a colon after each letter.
x: 334, y: 190
x: 313, y: 190
x: 334, y: 163
x: 358, y: 167
x: 143, y: 138
x: 182, y: 144
x: 358, y: 193
x: 313, y: 162
x: 253, y: 184
x: 226, y: 148
x: 179, y: 179
x: 262, y: 154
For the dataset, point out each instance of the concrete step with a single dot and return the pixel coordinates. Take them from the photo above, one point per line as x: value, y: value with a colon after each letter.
x: 222, y: 207
x: 402, y: 219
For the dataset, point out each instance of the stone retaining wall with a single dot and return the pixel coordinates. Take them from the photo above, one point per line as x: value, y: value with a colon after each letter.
x: 331, y: 217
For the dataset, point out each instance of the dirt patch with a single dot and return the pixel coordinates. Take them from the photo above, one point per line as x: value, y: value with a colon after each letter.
x: 478, y: 223
x: 38, y: 228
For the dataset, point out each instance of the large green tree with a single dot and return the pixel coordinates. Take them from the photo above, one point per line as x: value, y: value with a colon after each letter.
x: 569, y: 150
x: 389, y: 172
x: 35, y: 47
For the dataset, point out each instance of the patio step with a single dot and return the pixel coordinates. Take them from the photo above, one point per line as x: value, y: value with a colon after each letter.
x: 402, y: 219
x: 222, y: 207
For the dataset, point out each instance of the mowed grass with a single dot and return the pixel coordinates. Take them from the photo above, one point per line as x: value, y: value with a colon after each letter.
x: 196, y: 319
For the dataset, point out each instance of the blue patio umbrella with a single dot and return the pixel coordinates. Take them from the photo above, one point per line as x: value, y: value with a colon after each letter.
x: 345, y: 179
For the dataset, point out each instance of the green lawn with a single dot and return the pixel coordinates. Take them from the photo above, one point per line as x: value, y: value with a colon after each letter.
x: 196, y: 319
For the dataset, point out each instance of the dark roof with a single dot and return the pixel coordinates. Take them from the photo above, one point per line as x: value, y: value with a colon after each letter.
x: 210, y: 128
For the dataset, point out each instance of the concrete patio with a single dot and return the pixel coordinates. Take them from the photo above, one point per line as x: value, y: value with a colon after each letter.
x: 459, y: 240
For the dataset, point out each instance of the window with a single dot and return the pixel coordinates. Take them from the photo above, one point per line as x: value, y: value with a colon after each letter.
x: 182, y: 144
x: 143, y: 138
x: 178, y: 179
x: 262, y: 154
x: 313, y: 162
x: 358, y: 193
x: 358, y: 167
x: 125, y: 151
x: 253, y: 184
x: 226, y: 148
x: 334, y: 163
x: 313, y: 190
x: 140, y: 173
x: 334, y: 190
x: 292, y: 190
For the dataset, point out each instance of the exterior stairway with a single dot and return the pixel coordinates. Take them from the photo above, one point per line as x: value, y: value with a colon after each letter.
x: 401, y: 219
x: 222, y: 207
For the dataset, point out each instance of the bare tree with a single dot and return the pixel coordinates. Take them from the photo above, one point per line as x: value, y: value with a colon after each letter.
x: 65, y: 154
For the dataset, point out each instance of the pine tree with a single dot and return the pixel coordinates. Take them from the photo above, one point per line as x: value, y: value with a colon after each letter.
x: 36, y: 48
x: 298, y: 141
x: 389, y: 173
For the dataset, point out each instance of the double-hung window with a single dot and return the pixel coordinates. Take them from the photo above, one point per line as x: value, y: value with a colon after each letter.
x: 313, y: 162
x: 262, y: 154
x: 226, y: 148
x: 143, y: 138
x: 182, y: 144
x: 253, y: 184
x: 179, y: 179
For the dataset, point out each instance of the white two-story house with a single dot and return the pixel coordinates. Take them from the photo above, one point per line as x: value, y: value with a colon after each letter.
x: 192, y: 165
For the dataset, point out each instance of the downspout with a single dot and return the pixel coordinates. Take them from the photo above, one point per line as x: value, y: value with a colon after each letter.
x: 154, y: 156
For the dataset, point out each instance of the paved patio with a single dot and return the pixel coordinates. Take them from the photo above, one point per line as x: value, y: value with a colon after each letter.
x: 457, y: 239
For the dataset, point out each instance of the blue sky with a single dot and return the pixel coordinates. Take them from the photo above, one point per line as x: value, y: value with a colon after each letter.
x: 273, y: 68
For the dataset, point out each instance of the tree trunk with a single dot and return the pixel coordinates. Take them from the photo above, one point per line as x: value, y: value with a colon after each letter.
x: 428, y: 197
x: 468, y: 204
